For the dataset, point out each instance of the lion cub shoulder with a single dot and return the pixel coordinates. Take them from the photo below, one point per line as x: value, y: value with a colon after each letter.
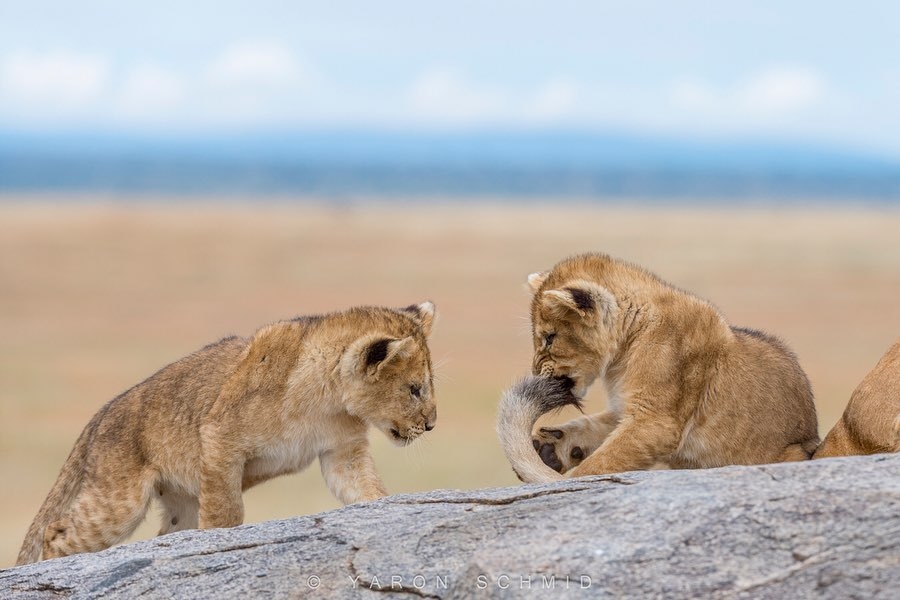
x: 239, y: 412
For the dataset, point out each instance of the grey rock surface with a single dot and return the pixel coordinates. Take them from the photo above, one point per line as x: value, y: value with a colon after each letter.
x: 820, y: 529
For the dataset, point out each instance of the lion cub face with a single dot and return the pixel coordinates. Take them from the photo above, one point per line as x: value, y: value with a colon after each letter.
x: 389, y: 381
x: 573, y: 329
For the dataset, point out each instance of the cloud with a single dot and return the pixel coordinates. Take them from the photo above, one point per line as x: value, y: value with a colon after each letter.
x: 444, y: 95
x: 770, y: 93
x: 150, y: 91
x: 696, y: 95
x: 267, y: 83
x: 254, y: 64
x: 54, y: 82
x: 256, y: 83
x: 247, y: 83
x: 557, y: 99
x: 781, y: 90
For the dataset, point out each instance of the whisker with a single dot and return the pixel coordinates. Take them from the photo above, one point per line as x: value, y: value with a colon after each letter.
x: 525, y: 325
x: 437, y: 371
x: 443, y: 359
x: 440, y: 363
x: 443, y: 378
x: 421, y: 449
x: 412, y: 452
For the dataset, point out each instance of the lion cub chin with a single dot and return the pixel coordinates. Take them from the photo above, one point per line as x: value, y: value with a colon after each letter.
x: 871, y: 422
x: 685, y: 388
x: 237, y: 413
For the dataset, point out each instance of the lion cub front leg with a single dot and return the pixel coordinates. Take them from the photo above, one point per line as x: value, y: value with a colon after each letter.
x: 563, y: 447
x: 221, y: 471
x: 638, y: 443
x: 350, y: 474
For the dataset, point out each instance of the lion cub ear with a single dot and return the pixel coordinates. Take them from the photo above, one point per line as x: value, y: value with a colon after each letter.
x: 536, y: 280
x: 424, y: 313
x: 372, y: 353
x: 582, y: 299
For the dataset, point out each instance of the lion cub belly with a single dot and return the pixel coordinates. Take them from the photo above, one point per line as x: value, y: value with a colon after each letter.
x: 289, y: 456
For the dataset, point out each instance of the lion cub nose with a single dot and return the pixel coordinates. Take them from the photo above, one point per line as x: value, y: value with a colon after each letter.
x: 431, y: 419
x: 429, y: 426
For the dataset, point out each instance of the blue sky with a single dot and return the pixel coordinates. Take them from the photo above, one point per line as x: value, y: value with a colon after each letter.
x: 798, y: 71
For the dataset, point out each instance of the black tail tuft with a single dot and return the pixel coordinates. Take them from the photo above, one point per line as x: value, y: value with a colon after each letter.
x: 548, y: 393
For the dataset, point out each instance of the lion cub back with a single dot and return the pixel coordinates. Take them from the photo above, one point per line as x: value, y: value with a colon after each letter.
x: 766, y: 385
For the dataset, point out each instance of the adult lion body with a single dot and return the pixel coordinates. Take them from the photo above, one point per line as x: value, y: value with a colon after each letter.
x: 871, y: 422
x: 239, y: 412
x: 684, y: 387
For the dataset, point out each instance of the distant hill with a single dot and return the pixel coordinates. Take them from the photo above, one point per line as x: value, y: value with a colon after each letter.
x: 466, y: 164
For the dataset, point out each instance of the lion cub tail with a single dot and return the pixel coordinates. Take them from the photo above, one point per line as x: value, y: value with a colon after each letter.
x: 520, y: 407
x: 58, y: 500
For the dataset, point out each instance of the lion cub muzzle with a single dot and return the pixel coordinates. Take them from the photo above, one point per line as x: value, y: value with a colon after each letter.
x: 406, y: 434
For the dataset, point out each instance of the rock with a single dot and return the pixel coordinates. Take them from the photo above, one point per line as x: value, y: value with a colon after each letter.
x: 819, y: 529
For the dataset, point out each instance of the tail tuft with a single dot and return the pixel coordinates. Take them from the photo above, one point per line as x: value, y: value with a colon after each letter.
x: 547, y: 393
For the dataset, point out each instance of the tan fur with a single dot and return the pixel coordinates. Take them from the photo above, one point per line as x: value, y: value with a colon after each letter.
x: 871, y: 422
x: 685, y: 389
x: 237, y: 413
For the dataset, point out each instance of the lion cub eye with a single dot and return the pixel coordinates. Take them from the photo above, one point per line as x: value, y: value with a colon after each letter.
x: 548, y: 339
x: 416, y: 390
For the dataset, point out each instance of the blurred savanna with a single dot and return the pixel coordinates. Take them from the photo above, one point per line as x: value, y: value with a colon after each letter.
x: 98, y: 296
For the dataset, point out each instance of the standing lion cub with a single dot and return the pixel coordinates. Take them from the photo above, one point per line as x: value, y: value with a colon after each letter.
x: 237, y: 413
x: 684, y: 387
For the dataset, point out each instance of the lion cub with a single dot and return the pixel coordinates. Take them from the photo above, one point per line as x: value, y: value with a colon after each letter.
x: 684, y: 387
x: 871, y: 422
x: 240, y: 412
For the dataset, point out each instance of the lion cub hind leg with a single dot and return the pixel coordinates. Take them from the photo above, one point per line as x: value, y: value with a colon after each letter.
x: 795, y: 452
x: 105, y: 512
x: 838, y: 442
x: 180, y: 510
x: 563, y: 447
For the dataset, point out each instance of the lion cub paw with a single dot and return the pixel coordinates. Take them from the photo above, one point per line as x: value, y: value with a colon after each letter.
x: 557, y: 449
x: 563, y: 447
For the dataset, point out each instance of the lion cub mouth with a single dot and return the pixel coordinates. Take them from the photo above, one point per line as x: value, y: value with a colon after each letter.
x: 400, y: 438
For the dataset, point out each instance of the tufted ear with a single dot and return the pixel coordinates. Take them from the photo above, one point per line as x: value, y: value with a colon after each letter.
x: 536, y: 280
x: 424, y: 313
x: 581, y: 299
x: 370, y: 354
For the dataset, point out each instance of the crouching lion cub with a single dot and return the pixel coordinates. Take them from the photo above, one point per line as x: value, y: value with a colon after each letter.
x: 871, y: 422
x: 237, y: 413
x: 684, y: 387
